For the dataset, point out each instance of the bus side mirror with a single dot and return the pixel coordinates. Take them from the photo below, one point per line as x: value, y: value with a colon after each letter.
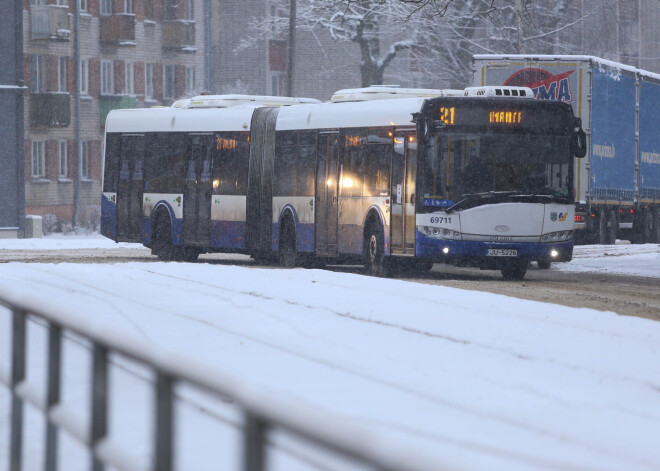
x: 579, y: 143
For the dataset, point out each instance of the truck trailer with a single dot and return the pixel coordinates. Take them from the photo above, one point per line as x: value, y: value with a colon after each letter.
x: 617, y: 184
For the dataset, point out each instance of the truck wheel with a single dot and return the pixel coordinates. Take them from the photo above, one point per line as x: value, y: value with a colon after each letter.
x: 514, y: 270
x: 655, y: 226
x: 374, y: 258
x: 287, y: 251
x: 613, y: 228
x: 640, y: 230
x: 603, y: 231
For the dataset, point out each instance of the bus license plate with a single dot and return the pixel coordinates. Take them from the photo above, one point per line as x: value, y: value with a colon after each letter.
x: 502, y: 252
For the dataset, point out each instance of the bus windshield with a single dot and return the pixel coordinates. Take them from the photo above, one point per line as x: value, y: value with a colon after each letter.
x: 462, y: 165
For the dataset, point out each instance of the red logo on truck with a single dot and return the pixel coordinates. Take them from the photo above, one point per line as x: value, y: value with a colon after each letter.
x: 545, y: 85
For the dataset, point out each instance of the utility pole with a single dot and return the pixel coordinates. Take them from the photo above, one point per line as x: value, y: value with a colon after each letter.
x: 76, y: 202
x: 292, y: 47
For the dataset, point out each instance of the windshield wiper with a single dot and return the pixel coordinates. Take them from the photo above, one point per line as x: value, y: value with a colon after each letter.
x: 472, y: 200
x: 490, y: 196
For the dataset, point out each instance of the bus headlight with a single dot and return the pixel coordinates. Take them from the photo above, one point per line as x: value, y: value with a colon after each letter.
x: 557, y: 236
x: 440, y: 233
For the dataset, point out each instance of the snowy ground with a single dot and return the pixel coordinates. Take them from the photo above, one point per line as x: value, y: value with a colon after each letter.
x: 473, y: 380
x: 622, y: 258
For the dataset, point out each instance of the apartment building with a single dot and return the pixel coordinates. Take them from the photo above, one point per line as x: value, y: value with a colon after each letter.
x: 12, y: 192
x: 133, y: 53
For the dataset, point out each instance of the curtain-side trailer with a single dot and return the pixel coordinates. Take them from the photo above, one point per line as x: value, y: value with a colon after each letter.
x: 617, y: 185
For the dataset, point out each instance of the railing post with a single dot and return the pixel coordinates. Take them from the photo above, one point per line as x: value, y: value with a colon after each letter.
x: 53, y: 397
x: 254, y: 443
x: 17, y: 376
x: 164, y: 432
x: 99, y: 425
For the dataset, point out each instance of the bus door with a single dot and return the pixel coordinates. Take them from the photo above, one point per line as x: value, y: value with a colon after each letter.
x: 130, y: 188
x: 197, y: 191
x: 325, y: 219
x: 404, y: 169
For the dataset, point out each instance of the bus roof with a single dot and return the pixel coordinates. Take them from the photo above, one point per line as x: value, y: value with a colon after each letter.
x: 180, y: 119
x: 395, y: 112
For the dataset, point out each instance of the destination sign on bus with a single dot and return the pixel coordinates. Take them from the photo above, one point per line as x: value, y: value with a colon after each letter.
x: 455, y: 114
x: 221, y: 143
x: 447, y: 114
x: 450, y: 115
x: 505, y: 117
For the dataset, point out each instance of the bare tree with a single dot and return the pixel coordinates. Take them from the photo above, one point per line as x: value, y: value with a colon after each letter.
x: 439, y: 36
x: 497, y: 27
x: 370, y: 24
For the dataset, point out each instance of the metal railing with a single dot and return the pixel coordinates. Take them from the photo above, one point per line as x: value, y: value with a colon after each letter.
x: 261, y: 412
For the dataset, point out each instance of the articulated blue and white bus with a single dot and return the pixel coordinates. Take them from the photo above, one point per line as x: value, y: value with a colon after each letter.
x: 480, y: 177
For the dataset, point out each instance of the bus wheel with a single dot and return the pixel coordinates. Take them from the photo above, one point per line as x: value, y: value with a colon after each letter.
x: 189, y: 254
x: 287, y: 251
x: 514, y: 270
x: 374, y: 258
x: 422, y: 266
x: 544, y: 263
x: 162, y: 239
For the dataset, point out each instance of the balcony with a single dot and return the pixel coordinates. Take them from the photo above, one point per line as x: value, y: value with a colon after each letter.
x: 50, y: 109
x: 49, y: 22
x: 115, y: 102
x: 118, y: 30
x: 179, y: 35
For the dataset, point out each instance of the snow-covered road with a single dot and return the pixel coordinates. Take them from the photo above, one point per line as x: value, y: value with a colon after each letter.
x: 473, y: 379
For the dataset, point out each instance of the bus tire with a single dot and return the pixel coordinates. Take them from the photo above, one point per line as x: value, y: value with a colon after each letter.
x: 189, y: 254
x: 374, y: 255
x: 514, y: 270
x: 422, y: 266
x: 288, y: 255
x: 162, y: 237
x: 544, y: 264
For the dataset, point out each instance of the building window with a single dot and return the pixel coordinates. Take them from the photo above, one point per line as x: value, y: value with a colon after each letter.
x: 189, y: 12
x: 130, y: 78
x: 64, y: 3
x: 64, y: 164
x: 107, y: 77
x: 37, y: 2
x: 190, y: 80
x: 276, y: 84
x: 38, y: 159
x: 149, y: 9
x: 106, y: 7
x: 84, y: 77
x: 83, y: 5
x: 149, y: 81
x: 84, y: 169
x: 61, y: 74
x: 168, y: 81
x: 38, y: 74
x: 128, y: 6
